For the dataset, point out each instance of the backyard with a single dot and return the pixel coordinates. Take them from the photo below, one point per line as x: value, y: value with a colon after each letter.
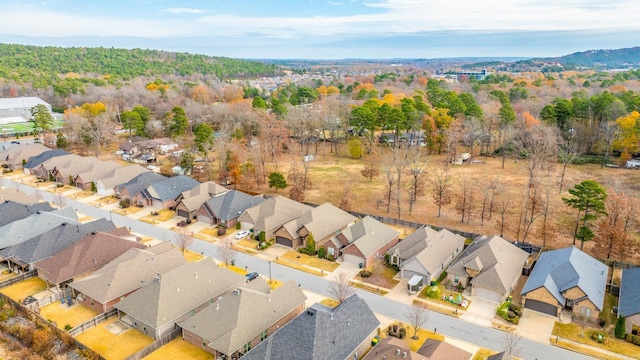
x: 113, y: 346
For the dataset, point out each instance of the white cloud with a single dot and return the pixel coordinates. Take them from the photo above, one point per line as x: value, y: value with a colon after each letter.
x: 335, y: 3
x: 184, y: 11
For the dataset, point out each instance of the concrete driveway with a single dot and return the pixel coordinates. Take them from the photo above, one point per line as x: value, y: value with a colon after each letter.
x: 480, y: 311
x: 536, y: 325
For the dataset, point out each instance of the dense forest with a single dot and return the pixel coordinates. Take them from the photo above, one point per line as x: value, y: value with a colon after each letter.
x: 42, y: 65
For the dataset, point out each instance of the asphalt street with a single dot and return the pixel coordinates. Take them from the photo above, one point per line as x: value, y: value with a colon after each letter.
x: 446, y: 325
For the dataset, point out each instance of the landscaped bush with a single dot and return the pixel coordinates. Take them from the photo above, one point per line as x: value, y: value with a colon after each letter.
x: 365, y: 273
x: 517, y: 310
x: 331, y: 257
x: 433, y: 292
x: 620, y: 328
x: 307, y: 251
x: 516, y: 320
x: 634, y: 339
x: 598, y: 336
x: 321, y: 253
x: 238, y: 225
x: 402, y: 333
x: 124, y: 203
x: 510, y: 312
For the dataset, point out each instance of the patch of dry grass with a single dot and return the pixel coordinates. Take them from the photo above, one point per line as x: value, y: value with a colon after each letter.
x: 313, y: 261
x: 329, y: 302
x: 126, y: 211
x: 381, y: 276
x: 240, y: 271
x: 438, y: 308
x: 111, y: 346
x: 298, y: 266
x: 422, y: 336
x: 573, y: 331
x: 483, y: 354
x: 62, y: 314
x: 179, y: 349
x: 24, y: 288
x: 583, y: 350
x: 369, y: 288
x: 248, y: 243
x: 163, y: 215
x: 192, y: 256
x: 84, y: 193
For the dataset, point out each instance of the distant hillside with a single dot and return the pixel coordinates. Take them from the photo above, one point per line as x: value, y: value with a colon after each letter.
x: 608, y: 59
x: 26, y: 63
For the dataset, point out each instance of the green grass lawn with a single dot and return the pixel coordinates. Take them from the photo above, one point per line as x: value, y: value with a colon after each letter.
x: 575, y: 332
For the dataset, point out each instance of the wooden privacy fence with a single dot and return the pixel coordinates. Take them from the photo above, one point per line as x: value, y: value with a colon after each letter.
x: 19, y: 278
x: 163, y: 340
x: 79, y: 329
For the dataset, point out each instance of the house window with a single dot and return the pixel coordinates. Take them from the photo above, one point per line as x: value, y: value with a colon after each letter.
x: 330, y: 251
x: 635, y: 330
x: 204, y: 343
x: 456, y: 279
x: 247, y: 346
x: 263, y: 335
x: 585, y: 311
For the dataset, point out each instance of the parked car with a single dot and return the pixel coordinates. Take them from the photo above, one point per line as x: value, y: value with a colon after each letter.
x: 308, y: 158
x: 242, y: 234
x: 252, y: 276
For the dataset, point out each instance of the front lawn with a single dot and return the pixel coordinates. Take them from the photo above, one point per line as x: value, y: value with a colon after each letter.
x: 313, y: 261
x: 381, y: 275
x: 574, y: 331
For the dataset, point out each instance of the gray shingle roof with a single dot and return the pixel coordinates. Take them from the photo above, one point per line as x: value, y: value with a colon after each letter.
x: 119, y: 174
x: 562, y: 269
x: 179, y: 291
x: 433, y: 250
x: 320, y: 333
x: 34, y: 225
x: 35, y: 161
x: 129, y: 272
x: 369, y: 235
x: 139, y: 183
x: 326, y: 220
x: 231, y: 204
x: 242, y: 315
x: 194, y: 198
x: 500, y: 260
x: 86, y: 255
x: 273, y: 213
x: 11, y: 211
x: 170, y: 188
x: 15, y: 154
x: 55, y: 240
x: 629, y: 303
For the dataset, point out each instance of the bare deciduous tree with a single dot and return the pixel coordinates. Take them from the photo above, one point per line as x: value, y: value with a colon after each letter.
x: 390, y: 177
x: 184, y: 239
x: 417, y: 170
x: 60, y: 200
x: 418, y: 316
x: 227, y: 252
x: 441, y: 180
x: 511, y: 344
x: 339, y: 288
x: 567, y: 153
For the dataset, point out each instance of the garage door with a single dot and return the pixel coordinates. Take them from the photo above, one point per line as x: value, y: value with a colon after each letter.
x: 284, y: 241
x: 488, y: 294
x: 204, y: 219
x: 356, y: 260
x: 540, y: 306
x: 183, y: 213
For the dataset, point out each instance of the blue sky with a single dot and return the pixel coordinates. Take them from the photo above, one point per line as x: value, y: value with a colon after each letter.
x: 328, y: 29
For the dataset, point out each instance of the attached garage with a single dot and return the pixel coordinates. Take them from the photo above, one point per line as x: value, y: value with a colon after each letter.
x: 204, y: 219
x: 488, y: 294
x: 284, y: 241
x: 541, y: 306
x: 183, y: 213
x: 353, y: 259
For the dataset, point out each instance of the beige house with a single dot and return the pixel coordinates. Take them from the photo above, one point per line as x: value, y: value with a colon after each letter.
x: 46, y: 169
x: 363, y: 242
x: 323, y: 222
x: 191, y: 200
x: 566, y: 279
x: 240, y: 320
x: 126, y: 274
x: 426, y: 253
x: 106, y: 183
x: 271, y: 215
x: 91, y: 174
x: 490, y: 265
x: 15, y: 155
x: 176, y: 295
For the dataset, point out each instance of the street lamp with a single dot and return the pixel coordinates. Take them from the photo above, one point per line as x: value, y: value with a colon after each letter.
x: 269, y: 272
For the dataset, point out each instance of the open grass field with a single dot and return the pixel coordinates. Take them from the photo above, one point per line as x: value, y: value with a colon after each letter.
x: 111, y: 346
x: 62, y: 314
x: 179, y: 349
x: 24, y: 288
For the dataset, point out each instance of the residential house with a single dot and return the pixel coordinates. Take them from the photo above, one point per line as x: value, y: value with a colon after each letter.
x: 45, y: 170
x: 426, y: 253
x: 491, y: 265
x: 501, y: 356
x: 85, y: 256
x: 190, y: 201
x: 363, y: 242
x: 322, y: 333
x: 106, y: 184
x: 392, y: 348
x: 22, y: 256
x: 225, y: 209
x: 323, y: 222
x: 89, y: 176
x: 11, y: 211
x: 566, y: 279
x: 14, y: 156
x: 629, y: 300
x: 240, y: 320
x: 134, y: 148
x: 35, y: 161
x: 18, y: 109
x: 176, y: 295
x: 272, y: 214
x: 66, y: 173
x: 133, y: 188
x: 42, y: 221
x: 15, y: 195
x: 126, y: 274
x: 163, y: 194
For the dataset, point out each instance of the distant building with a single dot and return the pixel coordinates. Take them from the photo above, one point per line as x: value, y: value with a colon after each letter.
x: 16, y: 110
x: 463, y: 76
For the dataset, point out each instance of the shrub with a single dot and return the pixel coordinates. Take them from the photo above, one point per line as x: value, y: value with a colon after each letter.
x: 365, y: 273
x: 238, y: 225
x: 124, y: 203
x: 620, y: 330
x: 330, y: 257
x: 516, y: 320
x: 433, y: 292
x: 402, y: 333
x: 321, y: 253
x: 67, y: 327
x: 511, y: 314
x: 460, y: 287
x: 386, y: 258
x: 602, y: 322
x: 503, y: 310
x: 221, y: 231
x: 307, y: 251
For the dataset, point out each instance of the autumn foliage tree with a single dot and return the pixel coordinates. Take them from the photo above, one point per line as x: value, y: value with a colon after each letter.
x: 441, y: 183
